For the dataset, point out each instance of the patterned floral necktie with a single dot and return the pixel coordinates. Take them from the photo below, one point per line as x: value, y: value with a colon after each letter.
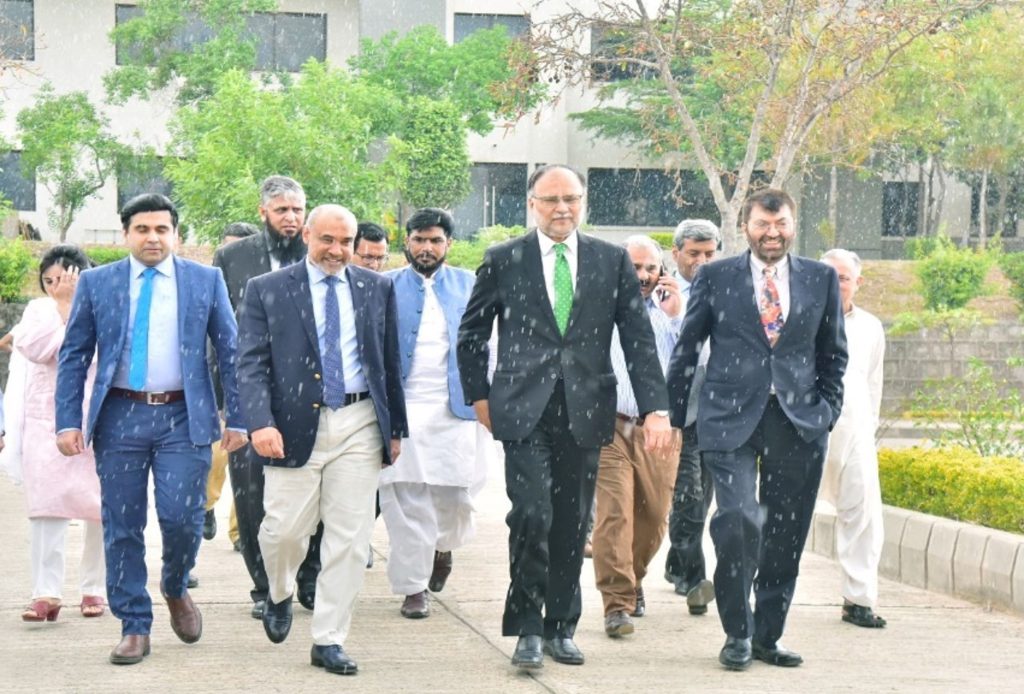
x: 563, y: 288
x: 771, y: 307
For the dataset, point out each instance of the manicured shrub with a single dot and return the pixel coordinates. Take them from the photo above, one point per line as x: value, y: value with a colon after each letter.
x: 951, y: 277
x: 955, y: 483
x: 102, y: 255
x: 16, y: 260
x: 663, y: 239
x: 1012, y: 265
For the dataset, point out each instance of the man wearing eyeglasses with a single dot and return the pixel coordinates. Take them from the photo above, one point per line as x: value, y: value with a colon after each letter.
x: 772, y: 392
x: 557, y: 294
x: 371, y: 247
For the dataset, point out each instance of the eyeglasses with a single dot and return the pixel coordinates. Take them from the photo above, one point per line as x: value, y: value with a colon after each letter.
x: 780, y: 225
x: 552, y: 200
x: 374, y: 259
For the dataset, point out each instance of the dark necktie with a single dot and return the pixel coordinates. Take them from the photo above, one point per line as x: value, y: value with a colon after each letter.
x: 334, y: 374
x: 140, y: 333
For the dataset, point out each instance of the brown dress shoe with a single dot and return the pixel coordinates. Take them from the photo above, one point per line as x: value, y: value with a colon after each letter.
x: 618, y: 624
x: 132, y: 649
x: 186, y: 621
x: 416, y: 606
x: 442, y: 569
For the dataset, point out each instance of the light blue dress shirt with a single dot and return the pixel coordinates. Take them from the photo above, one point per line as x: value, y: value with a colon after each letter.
x: 666, y: 333
x: 355, y: 381
x: 163, y: 369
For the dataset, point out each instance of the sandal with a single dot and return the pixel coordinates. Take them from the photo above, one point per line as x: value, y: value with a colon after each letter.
x: 862, y: 617
x: 42, y: 610
x: 92, y: 606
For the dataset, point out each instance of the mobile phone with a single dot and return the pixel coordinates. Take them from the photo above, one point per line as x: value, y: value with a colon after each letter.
x: 662, y: 294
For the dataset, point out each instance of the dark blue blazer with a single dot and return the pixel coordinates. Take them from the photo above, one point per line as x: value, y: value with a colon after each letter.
x: 99, y: 324
x: 806, y: 365
x: 279, y: 363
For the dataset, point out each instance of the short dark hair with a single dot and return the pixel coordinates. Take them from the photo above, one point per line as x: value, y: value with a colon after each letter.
x: 770, y: 199
x: 374, y: 233
x: 539, y: 172
x: 66, y: 255
x: 148, y: 202
x: 239, y: 230
x: 430, y: 217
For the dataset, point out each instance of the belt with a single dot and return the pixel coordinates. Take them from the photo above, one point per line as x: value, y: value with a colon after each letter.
x: 353, y: 398
x: 638, y: 421
x: 150, y: 398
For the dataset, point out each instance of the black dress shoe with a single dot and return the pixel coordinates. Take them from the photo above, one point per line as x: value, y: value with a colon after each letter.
x: 333, y: 659
x: 416, y: 606
x: 563, y: 650
x: 735, y: 654
x: 442, y: 569
x: 777, y: 655
x: 277, y: 619
x: 698, y: 597
x: 307, y: 595
x: 257, y: 609
x: 862, y: 616
x: 209, y: 525
x: 528, y: 655
x: 641, y: 604
x: 369, y: 558
x: 192, y: 581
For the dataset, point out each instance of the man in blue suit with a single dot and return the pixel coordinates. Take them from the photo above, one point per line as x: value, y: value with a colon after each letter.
x: 772, y: 392
x: 147, y: 318
x: 321, y: 384
x: 426, y: 501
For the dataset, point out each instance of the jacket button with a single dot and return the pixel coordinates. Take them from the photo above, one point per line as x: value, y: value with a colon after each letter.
x: 316, y: 406
x: 316, y: 376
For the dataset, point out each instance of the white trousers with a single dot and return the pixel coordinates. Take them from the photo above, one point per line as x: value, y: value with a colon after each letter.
x: 850, y: 483
x: 421, y: 518
x: 48, y: 537
x: 337, y: 486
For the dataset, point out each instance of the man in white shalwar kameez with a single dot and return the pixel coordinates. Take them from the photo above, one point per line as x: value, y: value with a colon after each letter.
x: 850, y: 479
x: 425, y: 498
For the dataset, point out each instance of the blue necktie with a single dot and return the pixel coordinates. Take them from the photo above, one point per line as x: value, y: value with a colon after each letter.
x: 140, y: 333
x: 334, y: 374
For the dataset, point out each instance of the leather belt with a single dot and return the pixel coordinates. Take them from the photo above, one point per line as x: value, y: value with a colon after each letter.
x: 150, y: 398
x: 353, y: 398
x: 636, y: 421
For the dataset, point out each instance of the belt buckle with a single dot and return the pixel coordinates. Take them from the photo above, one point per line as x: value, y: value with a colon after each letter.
x: 154, y: 399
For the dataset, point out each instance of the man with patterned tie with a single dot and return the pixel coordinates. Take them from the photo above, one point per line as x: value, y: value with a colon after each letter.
x: 147, y: 318
x: 321, y: 387
x: 556, y: 294
x: 773, y: 391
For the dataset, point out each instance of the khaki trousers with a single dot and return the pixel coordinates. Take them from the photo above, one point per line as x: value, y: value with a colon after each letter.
x: 338, y: 486
x: 215, y: 484
x: 634, y: 492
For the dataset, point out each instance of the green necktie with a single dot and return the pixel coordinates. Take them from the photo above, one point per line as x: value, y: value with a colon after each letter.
x: 563, y: 288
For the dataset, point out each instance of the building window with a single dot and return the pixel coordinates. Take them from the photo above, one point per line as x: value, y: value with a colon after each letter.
x: 647, y: 198
x: 900, y: 201
x: 17, y: 29
x: 516, y: 25
x: 15, y: 185
x: 143, y: 178
x: 284, y: 40
x: 497, y: 196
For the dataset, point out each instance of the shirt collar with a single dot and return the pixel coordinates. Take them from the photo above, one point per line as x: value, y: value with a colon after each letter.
x: 165, y: 267
x: 318, y: 275
x: 547, y: 245
x: 781, y: 267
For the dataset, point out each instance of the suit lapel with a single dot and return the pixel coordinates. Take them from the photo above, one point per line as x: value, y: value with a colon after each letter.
x: 357, y: 287
x: 586, y: 277
x: 184, y: 282
x: 798, y: 292
x: 302, y: 296
x: 748, y: 295
x: 122, y: 301
x: 535, y: 284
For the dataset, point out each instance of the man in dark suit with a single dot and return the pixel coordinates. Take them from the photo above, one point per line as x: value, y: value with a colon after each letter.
x: 322, y: 397
x: 772, y: 392
x: 556, y: 294
x: 147, y: 319
x: 283, y: 210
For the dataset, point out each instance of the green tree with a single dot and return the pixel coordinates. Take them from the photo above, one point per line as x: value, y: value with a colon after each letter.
x: 66, y: 140
x: 435, y: 154
x: 153, y: 54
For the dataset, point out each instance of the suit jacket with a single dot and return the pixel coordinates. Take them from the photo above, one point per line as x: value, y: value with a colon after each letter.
x: 452, y: 287
x: 99, y: 323
x: 533, y: 355
x: 279, y: 363
x: 806, y: 365
x: 241, y: 261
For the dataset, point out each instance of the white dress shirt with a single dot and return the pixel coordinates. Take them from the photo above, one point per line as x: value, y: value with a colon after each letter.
x: 666, y: 333
x: 355, y: 381
x: 163, y: 366
x: 757, y: 267
x: 548, y: 256
x: 862, y: 381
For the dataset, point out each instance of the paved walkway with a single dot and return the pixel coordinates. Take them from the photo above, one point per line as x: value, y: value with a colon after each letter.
x: 933, y: 643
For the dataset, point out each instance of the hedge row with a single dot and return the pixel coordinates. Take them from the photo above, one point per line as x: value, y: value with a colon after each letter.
x: 955, y: 483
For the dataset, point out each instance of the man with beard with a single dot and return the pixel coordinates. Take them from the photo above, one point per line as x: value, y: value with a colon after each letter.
x: 425, y: 499
x: 773, y: 391
x: 283, y: 211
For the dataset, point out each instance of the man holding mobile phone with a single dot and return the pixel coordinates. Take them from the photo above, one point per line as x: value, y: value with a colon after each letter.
x: 634, y: 485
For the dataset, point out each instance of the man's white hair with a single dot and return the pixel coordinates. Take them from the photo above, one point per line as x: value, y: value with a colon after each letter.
x: 643, y: 241
x: 845, y: 256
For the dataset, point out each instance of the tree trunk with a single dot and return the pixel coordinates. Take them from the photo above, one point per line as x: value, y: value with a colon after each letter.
x: 940, y: 199
x: 833, y: 204
x: 982, y: 210
x: 1004, y: 188
x: 732, y: 239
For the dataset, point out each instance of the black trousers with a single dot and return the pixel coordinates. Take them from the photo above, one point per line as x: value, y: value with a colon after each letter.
x: 550, y: 481
x: 691, y: 500
x: 760, y: 526
x: 247, y: 486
